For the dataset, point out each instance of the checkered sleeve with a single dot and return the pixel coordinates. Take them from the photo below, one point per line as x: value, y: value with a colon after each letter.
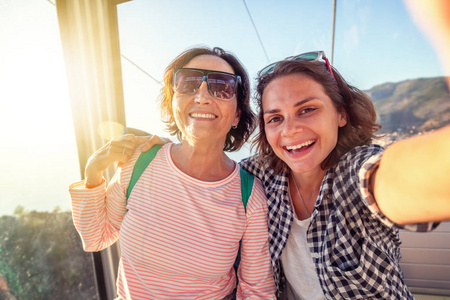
x: 367, y: 169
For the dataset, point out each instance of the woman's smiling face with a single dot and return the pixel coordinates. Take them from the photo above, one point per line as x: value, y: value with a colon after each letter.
x: 300, y: 121
x: 201, y: 116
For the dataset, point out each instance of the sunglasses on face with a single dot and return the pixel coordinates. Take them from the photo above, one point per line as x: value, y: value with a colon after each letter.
x: 221, y: 85
x: 311, y: 56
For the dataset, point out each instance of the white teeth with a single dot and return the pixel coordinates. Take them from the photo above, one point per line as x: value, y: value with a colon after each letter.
x: 205, y: 116
x: 300, y: 145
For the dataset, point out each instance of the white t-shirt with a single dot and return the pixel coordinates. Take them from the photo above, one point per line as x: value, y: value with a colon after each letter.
x: 302, y: 281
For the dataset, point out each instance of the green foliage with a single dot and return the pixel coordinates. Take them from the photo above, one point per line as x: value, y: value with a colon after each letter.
x: 41, y: 257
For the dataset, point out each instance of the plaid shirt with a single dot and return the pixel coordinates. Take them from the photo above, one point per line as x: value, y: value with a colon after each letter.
x: 354, y: 247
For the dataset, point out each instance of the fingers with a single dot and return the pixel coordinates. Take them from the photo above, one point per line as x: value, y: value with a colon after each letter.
x: 123, y: 146
x: 154, y: 140
x: 142, y: 139
x: 149, y: 143
x: 119, y: 149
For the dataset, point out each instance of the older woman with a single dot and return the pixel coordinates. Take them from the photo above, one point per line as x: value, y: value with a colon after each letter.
x: 181, y: 227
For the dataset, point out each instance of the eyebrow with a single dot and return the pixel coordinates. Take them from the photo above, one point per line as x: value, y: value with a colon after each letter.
x: 299, y: 103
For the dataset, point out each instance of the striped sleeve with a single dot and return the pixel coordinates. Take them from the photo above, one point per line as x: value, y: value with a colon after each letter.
x: 255, y: 269
x: 97, y: 213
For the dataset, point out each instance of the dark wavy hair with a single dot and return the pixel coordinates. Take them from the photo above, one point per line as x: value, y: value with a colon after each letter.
x: 236, y: 137
x: 361, y: 116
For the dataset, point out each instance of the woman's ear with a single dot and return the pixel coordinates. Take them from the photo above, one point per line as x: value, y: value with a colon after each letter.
x: 342, y: 115
x: 237, y: 117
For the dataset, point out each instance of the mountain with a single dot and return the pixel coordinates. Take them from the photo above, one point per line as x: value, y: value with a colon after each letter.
x: 415, y: 105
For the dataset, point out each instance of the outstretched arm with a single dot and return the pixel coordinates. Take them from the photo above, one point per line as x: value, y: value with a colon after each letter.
x: 412, y: 183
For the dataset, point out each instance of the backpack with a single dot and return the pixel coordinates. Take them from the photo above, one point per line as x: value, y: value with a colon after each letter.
x: 144, y: 160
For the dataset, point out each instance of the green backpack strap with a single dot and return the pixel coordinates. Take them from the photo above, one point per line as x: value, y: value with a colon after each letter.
x: 247, y: 180
x: 141, y: 164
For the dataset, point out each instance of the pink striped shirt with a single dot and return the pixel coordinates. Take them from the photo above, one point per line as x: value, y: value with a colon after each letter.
x: 180, y: 236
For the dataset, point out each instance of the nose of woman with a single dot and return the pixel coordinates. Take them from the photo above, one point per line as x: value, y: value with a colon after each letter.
x: 203, y: 96
x: 291, y: 126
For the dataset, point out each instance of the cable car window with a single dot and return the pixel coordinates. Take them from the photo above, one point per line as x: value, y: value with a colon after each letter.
x: 41, y: 255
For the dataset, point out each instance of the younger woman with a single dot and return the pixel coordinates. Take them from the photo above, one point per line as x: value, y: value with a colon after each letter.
x: 336, y: 200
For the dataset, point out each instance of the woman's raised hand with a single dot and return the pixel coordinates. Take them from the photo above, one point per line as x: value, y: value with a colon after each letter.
x: 118, y: 149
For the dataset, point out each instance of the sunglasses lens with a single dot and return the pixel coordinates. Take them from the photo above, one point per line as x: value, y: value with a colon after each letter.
x: 313, y: 56
x: 187, y: 81
x: 308, y: 56
x: 221, y: 86
x: 266, y: 70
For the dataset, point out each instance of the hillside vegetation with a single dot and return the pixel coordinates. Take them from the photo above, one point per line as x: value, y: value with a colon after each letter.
x: 419, y: 104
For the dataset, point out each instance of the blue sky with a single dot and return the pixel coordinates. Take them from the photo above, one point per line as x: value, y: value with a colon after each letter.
x: 368, y: 33
x: 376, y: 41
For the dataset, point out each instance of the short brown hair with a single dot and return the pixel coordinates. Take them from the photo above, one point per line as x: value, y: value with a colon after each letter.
x: 236, y: 137
x: 361, y: 116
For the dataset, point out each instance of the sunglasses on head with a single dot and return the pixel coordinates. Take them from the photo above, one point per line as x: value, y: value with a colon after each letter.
x: 312, y: 56
x: 221, y: 85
